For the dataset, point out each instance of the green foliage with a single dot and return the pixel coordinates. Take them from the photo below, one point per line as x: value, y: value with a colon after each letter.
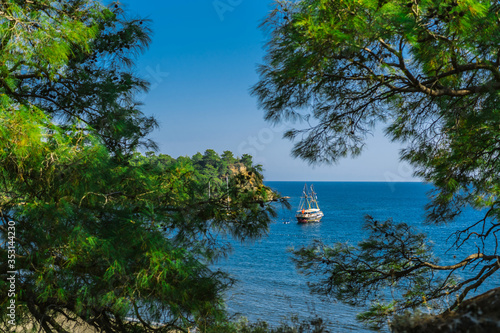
x: 350, y: 64
x: 103, y: 233
x: 429, y: 70
x: 293, y: 325
x: 315, y: 325
x: 392, y: 271
x: 231, y: 196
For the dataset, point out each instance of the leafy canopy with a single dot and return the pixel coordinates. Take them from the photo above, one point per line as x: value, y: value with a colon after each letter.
x: 429, y: 70
x: 102, y: 233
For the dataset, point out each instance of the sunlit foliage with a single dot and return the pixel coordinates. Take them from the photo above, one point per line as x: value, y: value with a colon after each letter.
x: 104, y: 236
x: 429, y: 72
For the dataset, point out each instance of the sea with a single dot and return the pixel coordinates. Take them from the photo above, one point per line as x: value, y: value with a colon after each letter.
x: 268, y: 285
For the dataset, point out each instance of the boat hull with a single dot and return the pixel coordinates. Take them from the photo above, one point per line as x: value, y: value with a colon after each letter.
x: 308, y: 209
x: 309, y: 218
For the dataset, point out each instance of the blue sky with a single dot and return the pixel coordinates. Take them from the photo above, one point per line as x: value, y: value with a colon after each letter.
x: 201, y: 64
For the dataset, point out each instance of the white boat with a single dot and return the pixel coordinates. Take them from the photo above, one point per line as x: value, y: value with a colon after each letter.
x: 309, y: 209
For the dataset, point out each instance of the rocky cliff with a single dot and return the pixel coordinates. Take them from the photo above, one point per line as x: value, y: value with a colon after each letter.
x: 476, y: 315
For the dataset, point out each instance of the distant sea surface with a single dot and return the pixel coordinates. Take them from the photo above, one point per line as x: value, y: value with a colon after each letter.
x: 269, y: 287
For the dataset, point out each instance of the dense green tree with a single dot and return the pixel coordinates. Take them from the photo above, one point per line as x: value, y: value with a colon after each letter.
x: 228, y: 157
x: 430, y: 71
x: 100, y: 232
x: 247, y: 160
x: 197, y: 157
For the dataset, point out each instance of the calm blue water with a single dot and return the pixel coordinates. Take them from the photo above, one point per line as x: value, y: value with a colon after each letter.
x: 268, y: 285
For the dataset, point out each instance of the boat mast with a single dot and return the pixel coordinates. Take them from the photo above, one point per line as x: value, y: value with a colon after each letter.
x: 303, y: 198
x: 314, y: 197
x: 309, y: 201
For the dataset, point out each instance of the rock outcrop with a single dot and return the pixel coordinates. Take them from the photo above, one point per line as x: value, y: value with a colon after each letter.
x: 480, y: 314
x: 252, y: 181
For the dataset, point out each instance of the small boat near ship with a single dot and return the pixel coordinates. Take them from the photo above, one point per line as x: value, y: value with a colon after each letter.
x: 309, y: 209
